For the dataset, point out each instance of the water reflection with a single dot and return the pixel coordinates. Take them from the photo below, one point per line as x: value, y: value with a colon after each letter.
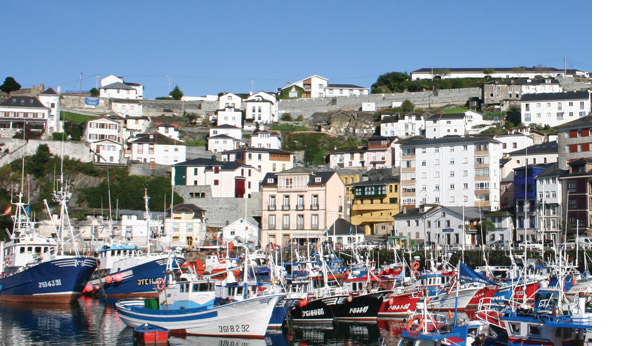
x: 96, y: 322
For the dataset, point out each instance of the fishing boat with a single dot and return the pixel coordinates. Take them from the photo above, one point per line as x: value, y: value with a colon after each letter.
x: 125, y: 271
x: 35, y: 269
x: 189, y: 307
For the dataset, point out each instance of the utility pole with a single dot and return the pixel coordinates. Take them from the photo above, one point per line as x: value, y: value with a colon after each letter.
x: 81, y: 82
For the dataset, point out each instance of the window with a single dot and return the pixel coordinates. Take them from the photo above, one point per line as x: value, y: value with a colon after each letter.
x: 286, y: 221
x: 315, y: 221
x: 572, y: 186
x: 272, y: 221
x: 300, y: 224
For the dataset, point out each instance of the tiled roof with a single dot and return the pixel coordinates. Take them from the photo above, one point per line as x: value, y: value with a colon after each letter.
x: 573, y: 95
x: 22, y: 101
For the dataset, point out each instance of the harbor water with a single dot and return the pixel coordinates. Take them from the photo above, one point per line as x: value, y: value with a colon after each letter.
x: 92, y: 321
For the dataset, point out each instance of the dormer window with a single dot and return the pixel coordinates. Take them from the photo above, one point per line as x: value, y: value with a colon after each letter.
x: 317, y: 179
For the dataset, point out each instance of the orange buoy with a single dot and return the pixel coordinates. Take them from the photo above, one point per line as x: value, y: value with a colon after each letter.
x: 108, y: 279
x: 118, y: 277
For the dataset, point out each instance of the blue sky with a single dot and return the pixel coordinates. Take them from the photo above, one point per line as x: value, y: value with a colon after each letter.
x: 207, y: 47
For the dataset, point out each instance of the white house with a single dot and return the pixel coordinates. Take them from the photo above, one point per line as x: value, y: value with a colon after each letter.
x: 187, y: 226
x: 261, y: 107
x: 156, y: 149
x: 549, y: 202
x: 52, y: 100
x: 503, y: 227
x: 354, y: 158
x: 436, y: 224
x: 265, y: 160
x: 343, y: 234
x: 539, y: 86
x: 170, y: 131
x: 226, y: 179
x: 496, y: 72
x: 133, y: 227
x: 103, y: 128
x: 459, y: 124
x: 451, y: 171
x: 134, y: 125
x: 230, y: 100
x: 514, y: 141
x: 241, y: 231
x: 107, y: 151
x: 127, y: 107
x: 230, y: 116
x: 554, y: 109
x: 114, y: 87
x: 16, y: 111
x: 221, y: 143
x: 338, y: 90
x: 313, y: 86
x: 402, y: 126
x: 266, y: 139
x: 228, y: 130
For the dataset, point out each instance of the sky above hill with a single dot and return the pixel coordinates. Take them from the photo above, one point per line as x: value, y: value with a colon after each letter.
x: 207, y: 47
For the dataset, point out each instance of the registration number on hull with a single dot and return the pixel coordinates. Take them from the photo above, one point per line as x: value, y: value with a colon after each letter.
x: 50, y: 283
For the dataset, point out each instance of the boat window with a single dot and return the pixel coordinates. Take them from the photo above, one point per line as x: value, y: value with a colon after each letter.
x: 515, y: 327
x: 201, y: 287
x: 184, y: 287
x: 567, y: 333
x: 534, y: 329
x: 29, y: 249
x: 38, y: 249
x: 46, y: 249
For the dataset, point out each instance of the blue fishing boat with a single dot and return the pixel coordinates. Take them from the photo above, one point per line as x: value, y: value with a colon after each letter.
x: 126, y: 272
x: 34, y: 269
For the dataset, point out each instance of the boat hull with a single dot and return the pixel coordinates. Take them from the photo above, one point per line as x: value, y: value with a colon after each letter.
x: 244, y: 319
x: 363, y: 307
x: 401, y: 305
x: 56, y: 281
x: 139, y: 281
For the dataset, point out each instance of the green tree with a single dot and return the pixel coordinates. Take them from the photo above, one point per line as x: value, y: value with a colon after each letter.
x: 407, y: 106
x: 392, y: 82
x: 10, y: 85
x: 94, y: 92
x: 176, y: 93
x: 73, y: 130
x: 36, y: 165
x: 287, y: 117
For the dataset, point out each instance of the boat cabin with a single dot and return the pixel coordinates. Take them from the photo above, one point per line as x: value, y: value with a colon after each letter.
x: 187, y: 294
x: 111, y: 254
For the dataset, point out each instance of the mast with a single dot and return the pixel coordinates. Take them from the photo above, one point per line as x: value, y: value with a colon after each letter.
x: 147, y: 221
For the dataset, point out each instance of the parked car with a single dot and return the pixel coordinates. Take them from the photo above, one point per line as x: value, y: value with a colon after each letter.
x: 499, y: 245
x: 530, y: 245
x: 583, y: 243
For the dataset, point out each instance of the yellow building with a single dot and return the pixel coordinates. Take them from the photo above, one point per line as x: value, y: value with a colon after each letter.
x: 374, y: 203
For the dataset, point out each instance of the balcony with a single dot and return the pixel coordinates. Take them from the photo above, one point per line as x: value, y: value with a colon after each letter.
x: 286, y: 207
x: 300, y: 207
x: 271, y: 207
x: 314, y: 207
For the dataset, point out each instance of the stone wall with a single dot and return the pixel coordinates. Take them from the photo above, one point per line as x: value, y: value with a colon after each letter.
x: 14, y: 149
x: 307, y: 107
x: 221, y: 211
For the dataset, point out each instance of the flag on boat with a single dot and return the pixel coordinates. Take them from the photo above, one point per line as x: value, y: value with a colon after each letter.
x: 467, y: 274
x: 27, y: 209
x: 7, y: 210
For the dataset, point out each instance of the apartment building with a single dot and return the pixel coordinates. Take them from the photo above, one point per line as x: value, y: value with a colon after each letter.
x: 451, y: 171
x: 300, y: 205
